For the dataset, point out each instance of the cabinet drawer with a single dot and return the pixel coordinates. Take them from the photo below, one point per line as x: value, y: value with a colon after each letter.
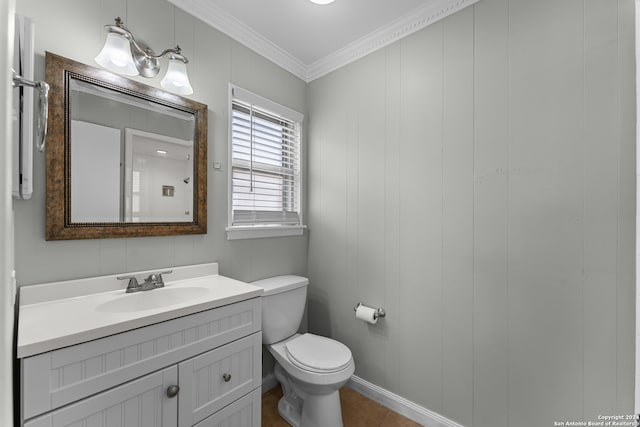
x: 244, y: 412
x: 213, y: 380
x: 51, y: 380
x: 140, y: 403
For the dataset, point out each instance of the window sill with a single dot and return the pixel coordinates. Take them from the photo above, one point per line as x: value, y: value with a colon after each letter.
x: 239, y: 233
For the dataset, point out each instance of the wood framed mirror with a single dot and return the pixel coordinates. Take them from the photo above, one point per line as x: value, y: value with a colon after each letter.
x: 123, y: 159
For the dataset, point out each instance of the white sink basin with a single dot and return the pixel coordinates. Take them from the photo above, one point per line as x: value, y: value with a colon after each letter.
x: 151, y: 300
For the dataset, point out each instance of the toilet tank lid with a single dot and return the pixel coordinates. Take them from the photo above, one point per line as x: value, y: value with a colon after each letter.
x: 275, y: 285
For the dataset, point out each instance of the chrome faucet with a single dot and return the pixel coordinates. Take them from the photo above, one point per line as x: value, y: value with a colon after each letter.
x: 153, y: 281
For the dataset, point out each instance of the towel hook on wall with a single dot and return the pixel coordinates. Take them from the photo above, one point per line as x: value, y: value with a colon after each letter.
x: 43, y: 91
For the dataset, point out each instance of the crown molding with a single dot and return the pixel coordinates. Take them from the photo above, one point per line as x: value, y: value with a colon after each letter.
x: 431, y: 12
x: 416, y: 20
x: 226, y: 23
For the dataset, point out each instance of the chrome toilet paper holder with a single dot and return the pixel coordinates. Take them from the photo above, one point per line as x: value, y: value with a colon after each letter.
x: 379, y: 311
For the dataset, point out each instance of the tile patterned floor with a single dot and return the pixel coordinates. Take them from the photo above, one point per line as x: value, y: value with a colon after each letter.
x: 357, y: 411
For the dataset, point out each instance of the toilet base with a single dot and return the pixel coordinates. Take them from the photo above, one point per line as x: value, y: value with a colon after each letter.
x: 301, y: 409
x: 288, y: 412
x: 322, y: 410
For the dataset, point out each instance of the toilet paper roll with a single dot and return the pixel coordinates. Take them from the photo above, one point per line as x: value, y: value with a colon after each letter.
x: 367, y: 314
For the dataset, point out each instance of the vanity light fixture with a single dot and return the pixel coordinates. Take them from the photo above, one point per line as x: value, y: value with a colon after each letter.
x: 123, y: 55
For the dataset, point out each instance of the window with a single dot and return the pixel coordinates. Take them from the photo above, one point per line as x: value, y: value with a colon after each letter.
x: 265, y: 181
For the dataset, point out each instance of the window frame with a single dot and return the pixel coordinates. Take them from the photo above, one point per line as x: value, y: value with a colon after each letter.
x: 236, y: 232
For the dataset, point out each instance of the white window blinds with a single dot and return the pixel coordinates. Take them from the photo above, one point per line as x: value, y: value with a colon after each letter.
x: 265, y: 163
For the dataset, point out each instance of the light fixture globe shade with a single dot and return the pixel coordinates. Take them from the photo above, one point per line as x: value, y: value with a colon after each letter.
x: 116, y: 56
x: 176, y: 79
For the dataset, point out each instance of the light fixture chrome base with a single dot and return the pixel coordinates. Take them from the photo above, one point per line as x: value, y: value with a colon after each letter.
x: 146, y: 63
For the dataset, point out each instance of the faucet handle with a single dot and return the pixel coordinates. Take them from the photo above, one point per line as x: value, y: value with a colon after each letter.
x: 159, y: 280
x: 133, y: 285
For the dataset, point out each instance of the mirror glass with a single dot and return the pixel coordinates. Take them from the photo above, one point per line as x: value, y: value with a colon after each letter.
x: 123, y: 159
x: 131, y: 159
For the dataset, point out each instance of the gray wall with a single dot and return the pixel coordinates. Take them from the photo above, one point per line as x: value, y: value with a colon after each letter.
x: 75, y: 29
x: 477, y: 180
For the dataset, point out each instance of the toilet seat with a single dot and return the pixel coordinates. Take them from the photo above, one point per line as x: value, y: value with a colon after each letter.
x: 314, y: 353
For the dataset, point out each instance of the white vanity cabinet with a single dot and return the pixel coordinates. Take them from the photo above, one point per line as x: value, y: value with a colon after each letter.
x: 213, y: 356
x: 140, y: 402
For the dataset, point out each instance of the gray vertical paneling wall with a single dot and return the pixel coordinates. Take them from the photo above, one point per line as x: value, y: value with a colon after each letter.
x: 477, y: 180
x: 75, y: 29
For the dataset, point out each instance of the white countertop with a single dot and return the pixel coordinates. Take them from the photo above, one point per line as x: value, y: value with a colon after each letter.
x: 47, y: 321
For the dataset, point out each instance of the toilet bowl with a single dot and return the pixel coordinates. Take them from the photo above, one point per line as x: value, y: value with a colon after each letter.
x: 310, y: 368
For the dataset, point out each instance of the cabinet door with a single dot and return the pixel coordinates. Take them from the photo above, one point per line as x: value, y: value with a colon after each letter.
x: 139, y: 403
x: 215, y: 379
x: 244, y: 412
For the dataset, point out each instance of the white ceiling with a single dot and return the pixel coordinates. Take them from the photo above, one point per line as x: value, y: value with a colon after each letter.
x: 311, y: 32
x: 311, y: 40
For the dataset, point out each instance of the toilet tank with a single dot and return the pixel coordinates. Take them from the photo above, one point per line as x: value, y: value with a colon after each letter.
x: 283, y: 303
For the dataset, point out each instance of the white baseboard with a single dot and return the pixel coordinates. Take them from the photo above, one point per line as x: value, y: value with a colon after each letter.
x: 399, y: 404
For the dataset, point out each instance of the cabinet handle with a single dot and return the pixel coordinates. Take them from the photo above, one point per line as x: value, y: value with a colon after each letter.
x: 226, y: 377
x: 172, y: 390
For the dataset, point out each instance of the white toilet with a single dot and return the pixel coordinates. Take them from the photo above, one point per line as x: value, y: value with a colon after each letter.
x: 310, y: 368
